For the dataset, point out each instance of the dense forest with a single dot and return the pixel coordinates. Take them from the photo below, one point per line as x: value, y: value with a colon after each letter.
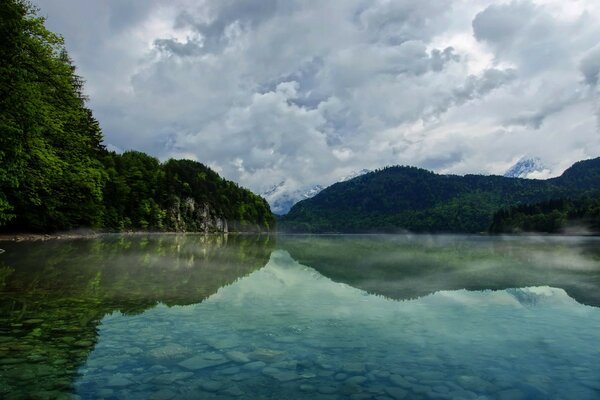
x: 554, y: 216
x: 408, y: 198
x: 55, y: 173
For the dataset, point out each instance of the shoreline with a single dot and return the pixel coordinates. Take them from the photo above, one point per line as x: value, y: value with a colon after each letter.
x: 32, y: 237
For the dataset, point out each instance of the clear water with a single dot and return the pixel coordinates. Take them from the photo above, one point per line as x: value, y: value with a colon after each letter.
x: 316, y: 317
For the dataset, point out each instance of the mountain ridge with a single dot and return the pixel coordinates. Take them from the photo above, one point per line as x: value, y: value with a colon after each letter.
x: 408, y: 198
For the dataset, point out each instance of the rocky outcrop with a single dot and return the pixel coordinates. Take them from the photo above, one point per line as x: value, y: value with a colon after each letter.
x: 188, y: 216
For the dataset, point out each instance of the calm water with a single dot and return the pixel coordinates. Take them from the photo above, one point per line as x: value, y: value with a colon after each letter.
x: 338, y: 317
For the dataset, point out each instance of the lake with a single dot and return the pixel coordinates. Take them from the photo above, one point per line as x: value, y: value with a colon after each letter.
x: 291, y: 317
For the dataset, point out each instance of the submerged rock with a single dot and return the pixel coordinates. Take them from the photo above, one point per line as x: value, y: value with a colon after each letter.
x: 201, y: 362
x: 118, y: 381
x: 211, y: 386
x: 238, y: 357
x: 169, y: 351
x: 255, y: 365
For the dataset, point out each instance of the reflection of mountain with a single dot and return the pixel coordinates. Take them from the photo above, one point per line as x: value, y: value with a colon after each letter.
x: 54, y: 294
x: 286, y: 328
x: 405, y: 267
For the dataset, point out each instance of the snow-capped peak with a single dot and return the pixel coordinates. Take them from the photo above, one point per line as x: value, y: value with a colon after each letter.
x: 281, y: 197
x: 525, y: 167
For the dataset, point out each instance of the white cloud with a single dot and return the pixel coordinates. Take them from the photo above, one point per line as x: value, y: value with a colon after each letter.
x: 303, y: 92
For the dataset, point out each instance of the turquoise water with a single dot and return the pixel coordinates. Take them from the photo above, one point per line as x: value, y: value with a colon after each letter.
x: 339, y: 317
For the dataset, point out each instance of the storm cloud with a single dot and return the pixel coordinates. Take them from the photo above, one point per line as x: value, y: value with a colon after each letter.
x: 307, y: 92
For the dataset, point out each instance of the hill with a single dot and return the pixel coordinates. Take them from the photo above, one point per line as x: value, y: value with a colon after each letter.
x: 408, y: 198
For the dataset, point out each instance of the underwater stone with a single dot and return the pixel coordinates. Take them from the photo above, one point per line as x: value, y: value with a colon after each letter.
x: 118, y: 381
x: 281, y: 376
x: 360, y: 396
x: 211, y: 386
x: 400, y: 381
x: 242, y: 376
x: 172, y: 377
x: 396, y: 393
x: 264, y: 354
x: 171, y: 350
x: 307, y: 388
x: 230, y: 371
x: 199, y: 362
x: 356, y: 380
x: 475, y: 384
x: 255, y: 365
x: 238, y: 357
x: 353, y: 368
x: 340, y: 376
x: 105, y: 392
x: 233, y: 391
x: 510, y: 394
x: 163, y: 394
x: 326, y: 389
x: 419, y: 389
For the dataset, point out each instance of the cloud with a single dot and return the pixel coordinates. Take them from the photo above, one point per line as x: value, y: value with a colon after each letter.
x: 306, y: 92
x: 590, y: 66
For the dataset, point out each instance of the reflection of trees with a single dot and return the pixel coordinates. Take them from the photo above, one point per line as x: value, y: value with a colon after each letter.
x: 53, y: 294
x: 401, y: 267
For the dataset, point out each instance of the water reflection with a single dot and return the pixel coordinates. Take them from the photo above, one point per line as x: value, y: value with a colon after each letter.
x: 392, y: 317
x: 286, y: 331
x: 409, y: 266
x: 54, y: 294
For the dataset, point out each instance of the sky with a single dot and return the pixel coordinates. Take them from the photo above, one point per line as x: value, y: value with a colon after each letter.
x: 306, y: 92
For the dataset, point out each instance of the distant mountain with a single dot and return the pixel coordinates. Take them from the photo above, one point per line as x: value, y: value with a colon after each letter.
x: 408, y: 198
x: 525, y: 167
x: 281, y: 199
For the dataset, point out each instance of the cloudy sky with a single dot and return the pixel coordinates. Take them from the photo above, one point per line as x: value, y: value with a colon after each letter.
x: 308, y: 91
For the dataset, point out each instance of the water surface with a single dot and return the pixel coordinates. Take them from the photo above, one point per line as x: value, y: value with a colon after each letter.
x: 325, y: 317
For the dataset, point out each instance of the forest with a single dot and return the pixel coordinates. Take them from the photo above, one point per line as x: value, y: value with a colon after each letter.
x: 55, y: 172
x: 581, y: 216
x: 396, y: 199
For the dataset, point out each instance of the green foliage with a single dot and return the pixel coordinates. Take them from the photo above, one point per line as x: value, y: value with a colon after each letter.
x: 408, y: 198
x: 179, y: 195
x: 55, y: 174
x: 556, y: 216
x: 49, y: 139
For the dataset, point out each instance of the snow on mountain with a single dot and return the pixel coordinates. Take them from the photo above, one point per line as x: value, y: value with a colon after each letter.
x: 354, y: 174
x: 526, y: 168
x: 281, y: 197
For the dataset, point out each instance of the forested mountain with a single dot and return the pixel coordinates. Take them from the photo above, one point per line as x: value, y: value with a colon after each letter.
x: 397, y: 198
x: 55, y: 174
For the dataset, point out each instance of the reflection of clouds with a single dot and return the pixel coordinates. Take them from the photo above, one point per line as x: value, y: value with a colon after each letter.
x: 569, y: 260
x: 513, y: 297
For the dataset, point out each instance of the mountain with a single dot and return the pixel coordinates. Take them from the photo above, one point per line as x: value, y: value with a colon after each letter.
x: 282, y: 199
x: 525, y: 167
x: 408, y: 198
